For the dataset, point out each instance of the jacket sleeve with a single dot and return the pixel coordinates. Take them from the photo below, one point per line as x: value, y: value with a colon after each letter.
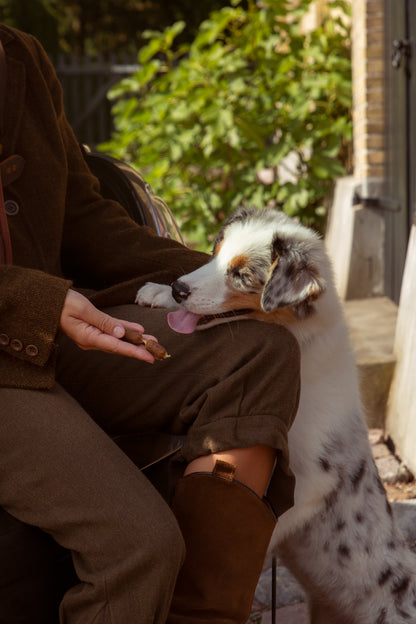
x: 102, y: 245
x: 30, y: 308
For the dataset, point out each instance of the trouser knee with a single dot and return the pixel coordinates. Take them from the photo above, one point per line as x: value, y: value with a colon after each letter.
x: 164, y: 546
x: 171, y: 546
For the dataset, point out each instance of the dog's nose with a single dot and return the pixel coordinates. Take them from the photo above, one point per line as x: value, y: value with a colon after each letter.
x: 180, y: 291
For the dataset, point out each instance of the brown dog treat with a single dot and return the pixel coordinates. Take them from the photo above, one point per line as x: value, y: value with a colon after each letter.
x: 157, y: 350
x: 133, y: 336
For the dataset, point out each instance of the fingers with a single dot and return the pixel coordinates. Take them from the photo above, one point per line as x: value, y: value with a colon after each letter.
x: 111, y: 344
x: 128, y: 325
x: 93, y: 329
x: 105, y: 333
x: 136, y: 327
x: 119, y: 331
x: 108, y: 324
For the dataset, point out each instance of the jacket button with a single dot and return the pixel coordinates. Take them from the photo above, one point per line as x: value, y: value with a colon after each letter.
x: 32, y: 350
x: 16, y: 344
x: 11, y: 207
x: 4, y: 340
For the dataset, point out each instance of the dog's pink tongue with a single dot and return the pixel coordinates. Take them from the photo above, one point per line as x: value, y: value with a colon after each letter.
x: 182, y: 321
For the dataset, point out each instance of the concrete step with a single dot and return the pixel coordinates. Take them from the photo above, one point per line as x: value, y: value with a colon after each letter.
x: 372, y: 325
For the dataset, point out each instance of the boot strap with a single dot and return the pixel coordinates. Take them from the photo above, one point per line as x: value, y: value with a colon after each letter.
x: 224, y: 470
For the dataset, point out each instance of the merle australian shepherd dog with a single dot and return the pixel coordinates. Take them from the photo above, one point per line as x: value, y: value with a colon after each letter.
x: 340, y: 539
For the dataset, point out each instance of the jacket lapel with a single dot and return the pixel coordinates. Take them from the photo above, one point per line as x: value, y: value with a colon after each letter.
x: 15, y: 92
x: 15, y: 99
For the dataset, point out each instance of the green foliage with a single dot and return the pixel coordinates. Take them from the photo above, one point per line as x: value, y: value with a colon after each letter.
x: 252, y: 92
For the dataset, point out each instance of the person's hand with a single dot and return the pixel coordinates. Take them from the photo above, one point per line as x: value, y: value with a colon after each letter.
x: 92, y: 329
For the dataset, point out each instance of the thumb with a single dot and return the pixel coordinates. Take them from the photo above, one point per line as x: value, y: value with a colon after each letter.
x: 118, y: 331
x: 105, y: 323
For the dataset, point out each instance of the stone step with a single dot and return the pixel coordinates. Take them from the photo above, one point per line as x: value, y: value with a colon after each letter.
x: 372, y: 325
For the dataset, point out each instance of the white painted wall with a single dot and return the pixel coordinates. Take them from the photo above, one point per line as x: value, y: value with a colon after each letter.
x: 401, y: 410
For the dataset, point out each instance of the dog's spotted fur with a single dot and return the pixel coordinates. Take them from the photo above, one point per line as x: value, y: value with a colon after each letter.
x: 340, y: 539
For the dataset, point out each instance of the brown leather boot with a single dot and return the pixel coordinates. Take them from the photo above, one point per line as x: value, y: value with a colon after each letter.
x: 227, y: 529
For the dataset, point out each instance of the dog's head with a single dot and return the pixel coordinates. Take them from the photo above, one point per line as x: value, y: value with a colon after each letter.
x: 264, y: 266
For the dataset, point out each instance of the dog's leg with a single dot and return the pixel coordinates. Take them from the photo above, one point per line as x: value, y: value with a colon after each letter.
x: 155, y: 296
x: 350, y: 556
x: 294, y: 554
x: 324, y: 614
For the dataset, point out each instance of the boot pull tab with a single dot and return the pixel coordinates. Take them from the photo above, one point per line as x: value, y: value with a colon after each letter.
x: 224, y: 470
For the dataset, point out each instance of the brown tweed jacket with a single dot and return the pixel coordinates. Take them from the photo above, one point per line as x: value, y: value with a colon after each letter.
x: 62, y: 231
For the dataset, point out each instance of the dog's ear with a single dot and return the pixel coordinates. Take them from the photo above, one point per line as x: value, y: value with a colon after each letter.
x: 293, y: 280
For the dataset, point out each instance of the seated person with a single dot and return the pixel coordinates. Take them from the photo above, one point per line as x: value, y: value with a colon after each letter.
x: 69, y: 385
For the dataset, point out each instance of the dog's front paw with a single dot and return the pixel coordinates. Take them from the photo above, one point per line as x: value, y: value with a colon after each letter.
x: 155, y: 296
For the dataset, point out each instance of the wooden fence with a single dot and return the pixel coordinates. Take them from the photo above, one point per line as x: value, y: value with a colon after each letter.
x: 85, y: 82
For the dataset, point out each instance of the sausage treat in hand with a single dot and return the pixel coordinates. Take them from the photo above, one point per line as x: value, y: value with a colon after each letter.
x: 157, y: 350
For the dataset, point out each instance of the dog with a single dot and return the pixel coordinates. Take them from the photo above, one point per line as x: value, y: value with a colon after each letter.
x: 340, y: 539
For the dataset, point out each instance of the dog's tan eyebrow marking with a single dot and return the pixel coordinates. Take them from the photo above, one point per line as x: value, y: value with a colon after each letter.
x: 239, y: 262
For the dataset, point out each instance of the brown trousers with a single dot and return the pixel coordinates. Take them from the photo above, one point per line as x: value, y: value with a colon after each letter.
x: 234, y: 385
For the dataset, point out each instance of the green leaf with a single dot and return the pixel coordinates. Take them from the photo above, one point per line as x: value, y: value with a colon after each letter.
x: 149, y: 51
x: 325, y: 167
x: 251, y: 89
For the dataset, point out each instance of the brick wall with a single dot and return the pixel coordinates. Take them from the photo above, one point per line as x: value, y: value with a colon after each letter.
x: 356, y: 235
x: 368, y: 88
